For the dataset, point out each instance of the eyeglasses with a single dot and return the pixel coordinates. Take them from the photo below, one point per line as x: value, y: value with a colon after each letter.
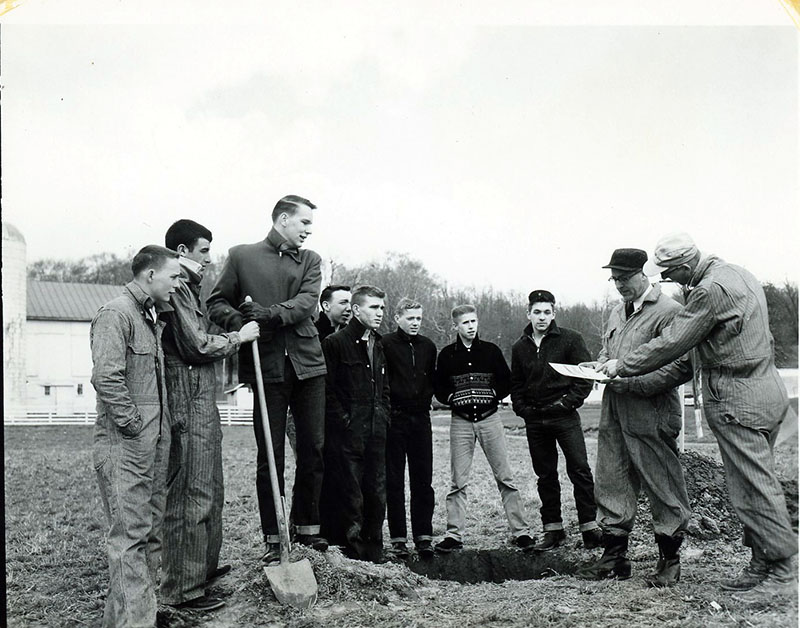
x: 624, y: 278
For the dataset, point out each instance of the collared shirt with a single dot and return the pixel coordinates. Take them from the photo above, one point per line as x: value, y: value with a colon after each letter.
x: 637, y: 302
x: 185, y: 337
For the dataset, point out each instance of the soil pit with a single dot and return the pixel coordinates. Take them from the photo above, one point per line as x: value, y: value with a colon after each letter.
x: 497, y: 565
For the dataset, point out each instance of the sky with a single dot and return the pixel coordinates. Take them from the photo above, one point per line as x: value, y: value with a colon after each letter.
x: 514, y: 148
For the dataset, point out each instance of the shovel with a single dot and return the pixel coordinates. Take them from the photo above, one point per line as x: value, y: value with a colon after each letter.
x: 293, y: 584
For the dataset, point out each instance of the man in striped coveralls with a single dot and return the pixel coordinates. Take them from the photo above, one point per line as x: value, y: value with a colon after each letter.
x: 745, y: 400
x: 193, y: 517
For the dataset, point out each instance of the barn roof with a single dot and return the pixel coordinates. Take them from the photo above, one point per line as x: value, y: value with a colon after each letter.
x: 56, y: 301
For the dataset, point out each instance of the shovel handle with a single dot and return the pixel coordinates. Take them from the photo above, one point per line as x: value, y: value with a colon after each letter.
x: 283, y: 531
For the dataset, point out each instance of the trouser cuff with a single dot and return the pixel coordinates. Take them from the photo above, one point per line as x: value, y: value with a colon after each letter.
x: 423, y: 537
x: 589, y: 525
x: 397, y: 539
x: 551, y: 527
x: 307, y: 529
x: 272, y: 538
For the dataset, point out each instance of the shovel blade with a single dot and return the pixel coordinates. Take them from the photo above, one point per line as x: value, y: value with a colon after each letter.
x: 293, y: 584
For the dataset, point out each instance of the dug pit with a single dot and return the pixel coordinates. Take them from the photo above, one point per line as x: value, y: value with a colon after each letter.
x: 498, y: 565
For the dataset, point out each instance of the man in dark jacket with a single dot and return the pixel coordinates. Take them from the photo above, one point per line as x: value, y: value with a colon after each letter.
x: 283, y: 281
x: 548, y: 402
x: 335, y: 310
x: 357, y: 417
x: 411, y: 359
x: 472, y: 377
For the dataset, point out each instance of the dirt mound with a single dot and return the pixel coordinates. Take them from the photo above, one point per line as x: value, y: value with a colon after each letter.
x: 342, y: 579
x: 713, y: 515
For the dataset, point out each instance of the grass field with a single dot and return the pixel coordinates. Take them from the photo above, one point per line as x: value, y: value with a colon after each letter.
x: 57, y: 575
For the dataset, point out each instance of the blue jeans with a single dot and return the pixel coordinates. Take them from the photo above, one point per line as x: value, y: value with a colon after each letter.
x: 543, y: 435
x: 489, y: 433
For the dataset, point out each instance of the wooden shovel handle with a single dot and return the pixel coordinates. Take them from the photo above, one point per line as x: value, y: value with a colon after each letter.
x: 283, y: 530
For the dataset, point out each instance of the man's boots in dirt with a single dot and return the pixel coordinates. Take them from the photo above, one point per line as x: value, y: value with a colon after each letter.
x: 612, y: 564
x: 751, y: 575
x: 781, y: 581
x: 668, y: 568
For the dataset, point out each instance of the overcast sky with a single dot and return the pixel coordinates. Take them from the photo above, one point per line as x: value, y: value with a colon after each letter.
x: 514, y: 149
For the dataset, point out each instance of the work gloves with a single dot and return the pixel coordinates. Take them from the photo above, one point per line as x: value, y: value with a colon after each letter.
x: 267, y: 319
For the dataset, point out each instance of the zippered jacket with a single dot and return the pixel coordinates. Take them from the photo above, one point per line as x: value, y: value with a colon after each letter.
x: 411, y: 362
x: 356, y: 388
x: 536, y: 388
x: 285, y: 280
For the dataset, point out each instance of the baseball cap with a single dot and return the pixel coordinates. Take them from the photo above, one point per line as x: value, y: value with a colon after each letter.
x: 671, y: 250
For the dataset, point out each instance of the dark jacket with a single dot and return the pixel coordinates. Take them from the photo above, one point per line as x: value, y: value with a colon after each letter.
x: 356, y: 391
x: 472, y: 381
x: 412, y: 365
x: 324, y: 326
x: 537, y: 390
x: 288, y: 282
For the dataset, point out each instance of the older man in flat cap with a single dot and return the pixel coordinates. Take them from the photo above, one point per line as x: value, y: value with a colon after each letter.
x: 744, y: 399
x: 640, y: 420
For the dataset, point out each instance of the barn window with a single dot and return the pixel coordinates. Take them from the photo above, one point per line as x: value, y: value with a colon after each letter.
x: 47, y: 391
x: 80, y: 390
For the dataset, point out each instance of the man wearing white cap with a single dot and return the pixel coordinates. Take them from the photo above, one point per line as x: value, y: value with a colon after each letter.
x: 744, y: 399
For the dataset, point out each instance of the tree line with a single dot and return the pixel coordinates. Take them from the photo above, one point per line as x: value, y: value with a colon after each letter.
x: 501, y: 314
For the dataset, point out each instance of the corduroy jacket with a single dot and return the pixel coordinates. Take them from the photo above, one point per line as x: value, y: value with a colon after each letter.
x: 285, y: 280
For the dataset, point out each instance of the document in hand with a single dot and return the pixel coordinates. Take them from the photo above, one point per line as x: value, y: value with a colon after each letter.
x: 581, y: 372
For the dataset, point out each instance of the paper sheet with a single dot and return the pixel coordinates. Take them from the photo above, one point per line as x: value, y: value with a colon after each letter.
x: 581, y: 372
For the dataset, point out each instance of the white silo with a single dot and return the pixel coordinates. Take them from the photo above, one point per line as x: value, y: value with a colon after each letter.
x: 14, y: 313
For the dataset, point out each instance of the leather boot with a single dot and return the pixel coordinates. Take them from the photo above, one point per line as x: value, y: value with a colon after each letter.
x: 751, y: 575
x: 668, y: 568
x: 781, y: 581
x: 612, y: 564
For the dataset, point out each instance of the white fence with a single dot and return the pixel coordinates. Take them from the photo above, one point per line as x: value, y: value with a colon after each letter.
x: 229, y: 415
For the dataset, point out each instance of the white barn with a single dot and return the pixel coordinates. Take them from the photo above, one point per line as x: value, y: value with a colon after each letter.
x: 58, y: 360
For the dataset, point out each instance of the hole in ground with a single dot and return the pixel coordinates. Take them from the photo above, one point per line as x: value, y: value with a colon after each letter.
x: 499, y: 565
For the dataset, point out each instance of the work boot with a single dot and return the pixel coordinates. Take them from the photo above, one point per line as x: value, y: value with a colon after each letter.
x: 399, y: 550
x: 592, y: 538
x: 668, y: 568
x: 448, y: 544
x: 612, y: 564
x: 751, y: 575
x: 425, y: 549
x: 273, y: 554
x: 524, y: 541
x: 781, y: 581
x: 314, y: 541
x: 551, y: 540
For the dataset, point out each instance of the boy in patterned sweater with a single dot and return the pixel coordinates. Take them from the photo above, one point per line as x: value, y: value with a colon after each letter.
x: 472, y: 376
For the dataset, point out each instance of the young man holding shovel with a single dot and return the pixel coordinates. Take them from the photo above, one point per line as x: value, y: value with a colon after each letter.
x: 283, y: 280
